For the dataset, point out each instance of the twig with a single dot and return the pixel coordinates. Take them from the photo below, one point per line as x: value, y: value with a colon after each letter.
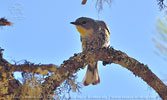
x: 4, y: 22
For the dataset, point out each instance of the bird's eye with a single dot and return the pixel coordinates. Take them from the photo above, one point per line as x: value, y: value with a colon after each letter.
x: 84, y: 22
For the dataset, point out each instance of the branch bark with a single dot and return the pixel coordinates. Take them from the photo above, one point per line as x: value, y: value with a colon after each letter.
x: 114, y: 56
x: 79, y: 61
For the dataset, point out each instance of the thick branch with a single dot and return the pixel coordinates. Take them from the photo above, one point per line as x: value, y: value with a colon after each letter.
x: 8, y: 84
x: 79, y: 61
x: 109, y: 55
x: 38, y: 69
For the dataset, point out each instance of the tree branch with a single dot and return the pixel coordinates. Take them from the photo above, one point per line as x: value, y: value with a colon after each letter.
x: 8, y: 84
x: 109, y: 55
x: 32, y: 68
x: 4, y: 22
x: 79, y: 61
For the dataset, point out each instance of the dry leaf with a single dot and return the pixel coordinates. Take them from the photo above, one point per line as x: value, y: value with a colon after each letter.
x: 84, y: 2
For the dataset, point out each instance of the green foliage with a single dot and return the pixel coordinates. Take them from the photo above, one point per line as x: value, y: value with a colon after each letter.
x: 161, y: 37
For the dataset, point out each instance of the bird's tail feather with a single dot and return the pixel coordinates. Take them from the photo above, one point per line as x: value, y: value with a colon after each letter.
x: 92, y: 76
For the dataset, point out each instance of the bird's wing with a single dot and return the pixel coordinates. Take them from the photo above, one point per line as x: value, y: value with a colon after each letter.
x: 102, y: 23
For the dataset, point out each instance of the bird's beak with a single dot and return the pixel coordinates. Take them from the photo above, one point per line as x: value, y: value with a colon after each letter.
x: 75, y: 23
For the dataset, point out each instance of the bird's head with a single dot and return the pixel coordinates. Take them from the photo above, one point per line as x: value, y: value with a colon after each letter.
x: 84, y: 25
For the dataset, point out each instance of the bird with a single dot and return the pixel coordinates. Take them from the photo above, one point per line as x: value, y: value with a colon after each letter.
x: 94, y: 34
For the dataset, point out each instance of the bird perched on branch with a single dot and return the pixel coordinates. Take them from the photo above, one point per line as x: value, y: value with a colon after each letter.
x: 94, y: 34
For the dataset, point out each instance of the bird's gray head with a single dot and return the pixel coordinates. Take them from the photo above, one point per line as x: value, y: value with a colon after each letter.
x: 85, y: 22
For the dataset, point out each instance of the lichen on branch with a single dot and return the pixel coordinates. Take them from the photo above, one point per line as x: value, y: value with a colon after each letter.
x: 109, y: 55
x: 66, y: 70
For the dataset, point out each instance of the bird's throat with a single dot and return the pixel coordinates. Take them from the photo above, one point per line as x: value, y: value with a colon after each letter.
x: 81, y: 30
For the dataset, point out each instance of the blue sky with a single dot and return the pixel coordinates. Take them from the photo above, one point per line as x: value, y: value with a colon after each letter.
x: 42, y: 33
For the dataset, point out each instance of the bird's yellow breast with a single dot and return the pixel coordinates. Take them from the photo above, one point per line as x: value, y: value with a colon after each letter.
x: 83, y: 31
